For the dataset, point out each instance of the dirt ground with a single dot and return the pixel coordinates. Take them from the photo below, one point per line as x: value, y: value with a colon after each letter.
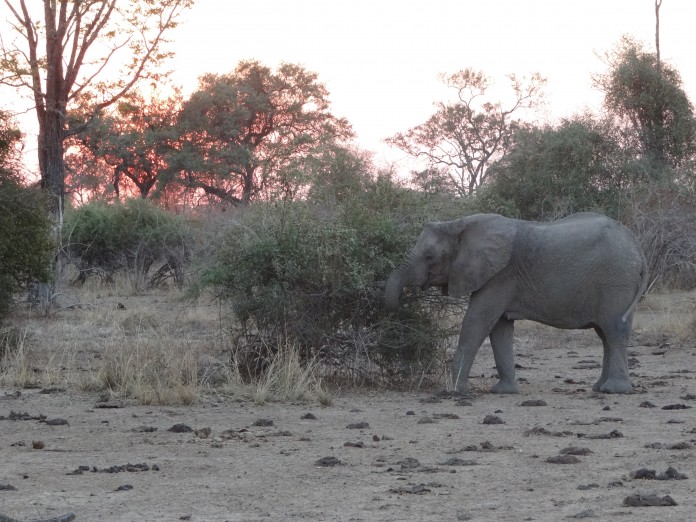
x: 555, y: 451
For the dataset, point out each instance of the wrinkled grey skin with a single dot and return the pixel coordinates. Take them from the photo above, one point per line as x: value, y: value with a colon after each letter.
x: 584, y: 271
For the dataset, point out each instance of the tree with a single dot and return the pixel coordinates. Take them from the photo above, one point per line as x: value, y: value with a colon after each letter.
x: 551, y: 171
x: 647, y: 98
x: 461, y: 139
x: 81, y: 40
x: 25, y: 246
x: 130, y: 142
x: 250, y: 133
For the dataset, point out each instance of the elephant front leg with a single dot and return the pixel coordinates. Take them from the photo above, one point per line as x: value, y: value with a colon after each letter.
x: 501, y: 342
x: 474, y: 331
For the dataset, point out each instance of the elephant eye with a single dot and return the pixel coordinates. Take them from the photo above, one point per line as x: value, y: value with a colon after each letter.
x: 428, y: 258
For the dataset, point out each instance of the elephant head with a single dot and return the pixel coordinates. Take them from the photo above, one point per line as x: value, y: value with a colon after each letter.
x: 459, y: 256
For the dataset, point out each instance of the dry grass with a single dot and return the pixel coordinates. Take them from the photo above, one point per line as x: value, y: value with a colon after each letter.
x: 152, y: 347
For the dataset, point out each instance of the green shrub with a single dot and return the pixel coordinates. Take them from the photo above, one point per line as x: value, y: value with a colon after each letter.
x: 312, y: 273
x: 25, y: 245
x: 104, y: 238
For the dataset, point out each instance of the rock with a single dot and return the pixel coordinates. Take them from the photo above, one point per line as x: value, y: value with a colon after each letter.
x: 425, y: 420
x: 125, y: 487
x: 646, y: 404
x: 587, y: 513
x: 454, y: 461
x: 262, y: 423
x: 563, y: 459
x: 38, y: 444
x: 648, y: 500
x: 181, y: 428
x: 328, y: 462
x: 358, y: 425
x: 309, y: 416
x: 409, y: 463
x: 676, y: 407
x: 493, y: 419
x: 534, y: 402
x: 575, y: 450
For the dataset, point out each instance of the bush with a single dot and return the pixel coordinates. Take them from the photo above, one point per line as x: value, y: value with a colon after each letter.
x: 132, y: 236
x: 25, y: 245
x: 311, y: 274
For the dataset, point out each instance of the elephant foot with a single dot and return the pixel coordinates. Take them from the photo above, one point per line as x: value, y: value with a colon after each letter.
x: 613, y: 386
x: 505, y: 387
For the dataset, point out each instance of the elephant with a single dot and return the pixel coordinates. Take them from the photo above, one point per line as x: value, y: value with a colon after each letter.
x: 583, y: 271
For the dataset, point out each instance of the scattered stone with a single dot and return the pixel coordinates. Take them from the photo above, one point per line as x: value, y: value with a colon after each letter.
x: 409, y: 463
x: 576, y: 450
x: 486, y: 445
x: 262, y: 423
x: 328, y: 462
x: 7, y: 487
x: 18, y: 416
x: 689, y: 397
x: 462, y: 402
x: 615, y: 484
x: 359, y: 444
x: 431, y: 400
x: 78, y: 471
x: 614, y: 434
x: 680, y: 446
x: 125, y: 487
x: 538, y: 430
x: 587, y: 513
x: 563, y: 459
x: 144, y: 429
x: 181, y: 428
x: 671, y: 474
x: 309, y: 416
x: 425, y: 420
x: 128, y: 468
x: 417, y: 489
x: 534, y: 402
x: 109, y: 405
x: 610, y: 419
x: 493, y: 419
x: 445, y: 416
x: 358, y: 425
x: 38, y: 444
x: 410, y: 412
x: 375, y: 438
x: 203, y: 433
x: 586, y: 487
x: 606, y: 408
x: 648, y: 500
x: 454, y: 461
x: 55, y: 422
x: 677, y: 406
x: 643, y: 474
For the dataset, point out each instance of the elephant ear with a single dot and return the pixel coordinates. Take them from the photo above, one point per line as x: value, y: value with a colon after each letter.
x: 484, y: 249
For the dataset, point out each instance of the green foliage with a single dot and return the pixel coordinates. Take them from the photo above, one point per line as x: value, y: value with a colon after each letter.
x: 253, y: 133
x: 552, y: 171
x: 25, y: 245
x: 312, y: 273
x: 130, y: 236
x: 459, y: 142
x: 649, y: 98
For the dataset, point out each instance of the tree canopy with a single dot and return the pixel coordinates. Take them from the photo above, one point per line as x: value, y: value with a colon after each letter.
x: 252, y: 132
x: 646, y: 96
x: 61, y: 55
x: 463, y: 138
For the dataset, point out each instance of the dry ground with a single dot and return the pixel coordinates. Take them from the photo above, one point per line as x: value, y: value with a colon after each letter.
x: 417, y: 456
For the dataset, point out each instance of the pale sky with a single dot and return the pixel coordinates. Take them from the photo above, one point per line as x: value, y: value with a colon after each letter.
x: 380, y: 59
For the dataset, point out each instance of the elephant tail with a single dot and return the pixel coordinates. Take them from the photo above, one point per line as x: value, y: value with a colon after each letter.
x: 644, y: 278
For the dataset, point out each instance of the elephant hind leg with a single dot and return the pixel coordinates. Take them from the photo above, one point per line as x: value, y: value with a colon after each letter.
x: 501, y: 342
x: 614, y: 377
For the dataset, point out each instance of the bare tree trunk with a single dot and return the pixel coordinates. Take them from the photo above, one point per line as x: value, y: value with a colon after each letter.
x: 658, y: 4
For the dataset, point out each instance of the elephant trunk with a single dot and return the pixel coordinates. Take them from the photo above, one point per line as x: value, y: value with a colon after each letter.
x: 392, y: 290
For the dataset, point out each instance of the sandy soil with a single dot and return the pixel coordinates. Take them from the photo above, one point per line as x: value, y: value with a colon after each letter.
x: 374, y: 455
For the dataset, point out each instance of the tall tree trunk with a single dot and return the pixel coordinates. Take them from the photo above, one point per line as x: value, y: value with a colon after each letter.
x: 658, y: 4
